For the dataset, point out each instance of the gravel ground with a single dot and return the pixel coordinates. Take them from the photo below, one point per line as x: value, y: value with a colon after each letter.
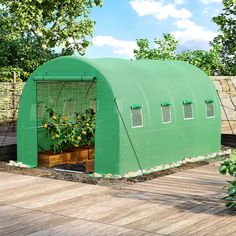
x: 85, y: 178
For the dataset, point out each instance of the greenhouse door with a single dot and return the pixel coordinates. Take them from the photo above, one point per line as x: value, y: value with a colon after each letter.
x: 71, y: 103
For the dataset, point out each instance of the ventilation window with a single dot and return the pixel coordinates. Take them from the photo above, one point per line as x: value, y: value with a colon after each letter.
x: 69, y: 107
x: 210, y: 111
x: 40, y: 110
x: 93, y: 104
x: 136, y: 116
x: 165, y: 111
x: 188, y: 110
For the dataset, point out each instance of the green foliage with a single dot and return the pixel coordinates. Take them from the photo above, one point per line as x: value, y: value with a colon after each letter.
x: 25, y: 54
x: 63, y: 23
x: 85, y: 123
x: 229, y: 167
x: 227, y: 37
x: 164, y: 50
x: 6, y: 74
x: 209, y: 61
x: 30, y: 31
x: 66, y: 132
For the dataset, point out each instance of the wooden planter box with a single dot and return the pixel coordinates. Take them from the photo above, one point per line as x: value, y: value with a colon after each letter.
x: 89, y: 166
x: 80, y: 155
x: 85, y: 154
x: 47, y: 159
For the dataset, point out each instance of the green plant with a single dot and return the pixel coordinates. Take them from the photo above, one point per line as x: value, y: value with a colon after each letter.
x: 65, y: 132
x: 229, y: 167
x: 59, y: 131
x: 85, y: 123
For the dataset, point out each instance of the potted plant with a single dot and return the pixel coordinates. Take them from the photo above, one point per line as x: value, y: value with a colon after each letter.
x: 85, y: 133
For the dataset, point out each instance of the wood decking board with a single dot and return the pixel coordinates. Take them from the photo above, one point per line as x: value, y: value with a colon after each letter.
x: 185, y: 203
x: 8, y: 140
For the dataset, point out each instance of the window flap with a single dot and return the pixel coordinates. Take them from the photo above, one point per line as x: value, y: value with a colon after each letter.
x: 165, y: 104
x: 187, y: 102
x: 209, y: 101
x: 136, y: 106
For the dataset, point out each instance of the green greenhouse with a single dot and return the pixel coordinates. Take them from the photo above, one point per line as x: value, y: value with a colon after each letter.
x: 148, y: 112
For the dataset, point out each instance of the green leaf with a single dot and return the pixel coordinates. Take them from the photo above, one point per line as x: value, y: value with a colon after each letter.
x: 223, y: 169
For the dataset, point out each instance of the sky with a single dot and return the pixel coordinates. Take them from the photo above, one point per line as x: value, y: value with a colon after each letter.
x: 120, y: 22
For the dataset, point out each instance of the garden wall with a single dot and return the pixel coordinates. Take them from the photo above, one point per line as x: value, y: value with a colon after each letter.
x: 9, y: 98
x: 10, y: 94
x: 226, y: 85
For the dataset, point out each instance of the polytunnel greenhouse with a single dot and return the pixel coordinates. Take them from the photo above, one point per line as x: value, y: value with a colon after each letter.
x: 148, y: 112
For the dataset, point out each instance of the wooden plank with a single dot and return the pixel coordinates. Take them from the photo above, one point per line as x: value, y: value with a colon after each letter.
x: 184, y: 203
x: 211, y: 222
x: 82, y: 227
x: 32, y: 221
x: 223, y: 227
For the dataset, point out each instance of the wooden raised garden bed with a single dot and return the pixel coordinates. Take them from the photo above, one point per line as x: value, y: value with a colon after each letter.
x: 47, y: 159
x: 84, y: 156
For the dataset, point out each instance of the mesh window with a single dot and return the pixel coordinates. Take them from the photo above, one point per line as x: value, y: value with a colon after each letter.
x: 188, y: 111
x: 93, y: 104
x: 54, y: 94
x: 137, y: 119
x: 40, y: 110
x: 166, y: 116
x: 69, y: 107
x: 210, y: 110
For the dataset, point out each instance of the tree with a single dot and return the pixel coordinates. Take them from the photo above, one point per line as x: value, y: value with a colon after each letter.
x: 165, y: 48
x: 52, y: 23
x: 208, y: 61
x: 227, y: 37
x: 31, y: 29
x: 25, y: 54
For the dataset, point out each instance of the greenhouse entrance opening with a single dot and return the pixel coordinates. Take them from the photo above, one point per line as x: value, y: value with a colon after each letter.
x: 66, y: 116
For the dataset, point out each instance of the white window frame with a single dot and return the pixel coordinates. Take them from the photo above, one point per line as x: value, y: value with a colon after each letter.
x: 131, y: 115
x: 210, y: 117
x: 163, y: 122
x: 191, y: 109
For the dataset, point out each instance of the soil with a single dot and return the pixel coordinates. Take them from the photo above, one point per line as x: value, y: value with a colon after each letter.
x: 85, y: 178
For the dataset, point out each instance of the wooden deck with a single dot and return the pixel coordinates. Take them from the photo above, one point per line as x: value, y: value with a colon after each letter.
x: 228, y: 127
x: 186, y: 203
x: 8, y: 140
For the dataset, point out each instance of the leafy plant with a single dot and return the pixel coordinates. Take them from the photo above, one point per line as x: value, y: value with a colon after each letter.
x: 59, y: 131
x: 229, y: 167
x: 85, y: 123
x: 66, y: 132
